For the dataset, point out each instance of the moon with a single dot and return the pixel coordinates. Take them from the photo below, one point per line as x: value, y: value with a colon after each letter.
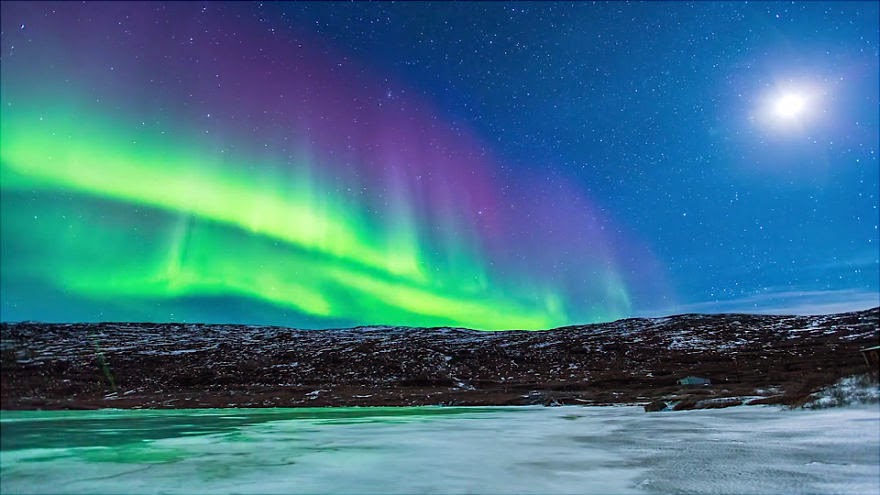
x: 790, y: 106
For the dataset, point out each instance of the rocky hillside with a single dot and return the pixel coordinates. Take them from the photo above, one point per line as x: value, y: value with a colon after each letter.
x: 778, y: 358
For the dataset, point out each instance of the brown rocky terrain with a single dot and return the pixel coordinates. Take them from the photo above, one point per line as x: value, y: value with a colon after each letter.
x: 748, y: 358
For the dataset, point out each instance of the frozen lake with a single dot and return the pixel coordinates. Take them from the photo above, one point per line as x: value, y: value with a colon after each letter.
x: 441, y: 450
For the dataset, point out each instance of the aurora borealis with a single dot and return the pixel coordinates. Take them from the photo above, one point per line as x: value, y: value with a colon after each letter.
x: 289, y: 164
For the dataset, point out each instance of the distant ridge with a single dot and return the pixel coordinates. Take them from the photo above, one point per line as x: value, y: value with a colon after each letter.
x: 781, y: 359
x: 391, y: 327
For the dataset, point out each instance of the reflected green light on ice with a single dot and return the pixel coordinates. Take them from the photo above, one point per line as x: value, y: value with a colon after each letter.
x: 144, y: 437
x: 126, y: 433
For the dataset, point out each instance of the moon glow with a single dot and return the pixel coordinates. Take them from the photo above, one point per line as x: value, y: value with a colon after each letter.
x: 790, y: 106
x: 789, y: 109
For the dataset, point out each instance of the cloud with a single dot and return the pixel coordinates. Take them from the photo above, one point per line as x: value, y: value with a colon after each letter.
x: 786, y: 302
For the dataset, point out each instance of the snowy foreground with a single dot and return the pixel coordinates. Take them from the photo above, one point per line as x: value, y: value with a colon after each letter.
x: 605, y: 450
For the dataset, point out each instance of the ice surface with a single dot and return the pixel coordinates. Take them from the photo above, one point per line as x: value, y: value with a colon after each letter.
x: 442, y: 450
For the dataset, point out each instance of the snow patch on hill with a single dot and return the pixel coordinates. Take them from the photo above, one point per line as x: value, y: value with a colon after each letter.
x: 859, y: 389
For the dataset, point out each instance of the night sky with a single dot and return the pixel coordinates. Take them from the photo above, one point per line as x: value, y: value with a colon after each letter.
x: 488, y: 165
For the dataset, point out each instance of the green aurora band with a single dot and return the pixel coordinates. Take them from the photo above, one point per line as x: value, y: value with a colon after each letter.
x: 109, y: 203
x: 235, y: 237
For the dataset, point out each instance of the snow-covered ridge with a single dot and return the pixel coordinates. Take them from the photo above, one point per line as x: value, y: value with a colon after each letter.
x: 624, y: 361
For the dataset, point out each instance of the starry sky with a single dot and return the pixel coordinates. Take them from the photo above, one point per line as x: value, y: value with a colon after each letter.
x: 488, y: 165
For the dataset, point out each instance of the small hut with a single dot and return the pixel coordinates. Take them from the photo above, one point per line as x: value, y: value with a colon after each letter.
x: 694, y: 380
